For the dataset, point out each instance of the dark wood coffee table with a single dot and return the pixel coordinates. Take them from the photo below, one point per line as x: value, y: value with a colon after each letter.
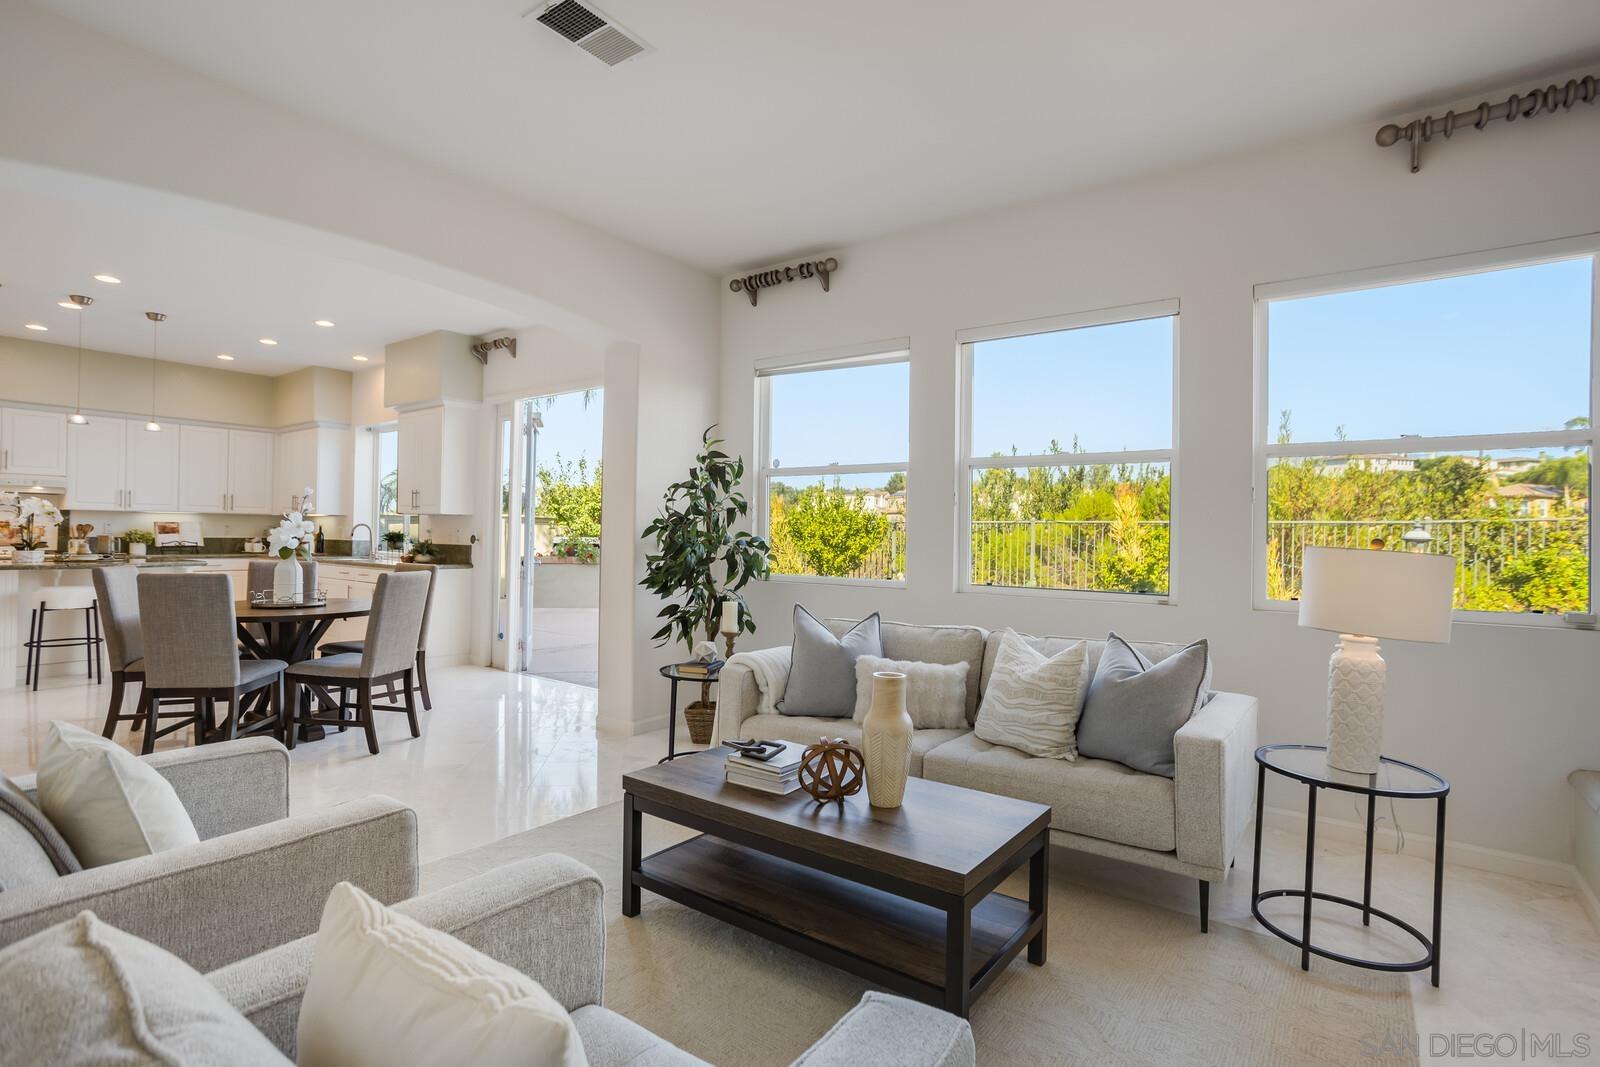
x: 904, y: 897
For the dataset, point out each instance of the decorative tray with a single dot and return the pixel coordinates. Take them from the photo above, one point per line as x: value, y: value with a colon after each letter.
x: 270, y: 604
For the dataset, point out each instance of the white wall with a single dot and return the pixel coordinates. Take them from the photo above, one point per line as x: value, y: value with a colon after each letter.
x: 207, y: 151
x: 1504, y: 712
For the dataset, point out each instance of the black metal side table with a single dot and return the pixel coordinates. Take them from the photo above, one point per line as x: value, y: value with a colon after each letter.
x: 673, y: 674
x: 1394, y: 778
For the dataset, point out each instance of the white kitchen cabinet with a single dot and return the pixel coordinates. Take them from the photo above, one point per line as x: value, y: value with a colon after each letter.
x: 33, y: 444
x: 96, y: 466
x: 151, y: 473
x: 250, y: 472
x: 437, y: 460
x: 315, y: 457
x: 202, y: 469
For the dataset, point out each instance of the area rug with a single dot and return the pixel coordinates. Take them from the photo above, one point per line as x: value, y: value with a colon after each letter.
x: 1127, y: 982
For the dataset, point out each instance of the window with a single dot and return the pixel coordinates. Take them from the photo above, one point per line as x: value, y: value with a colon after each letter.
x: 834, y: 446
x: 1068, y: 444
x: 387, y: 489
x: 1442, y: 408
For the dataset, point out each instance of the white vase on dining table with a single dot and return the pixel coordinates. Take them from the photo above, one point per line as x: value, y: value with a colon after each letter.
x: 287, y: 583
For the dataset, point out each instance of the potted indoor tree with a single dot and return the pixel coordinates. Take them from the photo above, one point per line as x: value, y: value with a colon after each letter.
x: 702, y: 560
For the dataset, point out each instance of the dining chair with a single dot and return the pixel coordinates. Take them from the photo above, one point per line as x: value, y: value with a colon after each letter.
x: 117, y: 590
x: 389, y: 653
x: 191, y: 652
x: 259, y: 577
x: 335, y: 648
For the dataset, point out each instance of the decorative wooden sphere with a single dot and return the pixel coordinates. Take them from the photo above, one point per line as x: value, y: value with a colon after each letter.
x: 832, y: 770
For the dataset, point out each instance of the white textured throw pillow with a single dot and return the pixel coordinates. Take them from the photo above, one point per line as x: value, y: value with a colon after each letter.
x: 936, y: 693
x: 386, y: 991
x: 1032, y: 702
x: 109, y: 804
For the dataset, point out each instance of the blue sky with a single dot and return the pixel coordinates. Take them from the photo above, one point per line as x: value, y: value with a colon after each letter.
x: 1499, y: 352
x: 571, y: 429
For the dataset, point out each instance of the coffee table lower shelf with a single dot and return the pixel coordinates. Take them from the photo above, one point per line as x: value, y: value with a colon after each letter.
x: 909, y: 947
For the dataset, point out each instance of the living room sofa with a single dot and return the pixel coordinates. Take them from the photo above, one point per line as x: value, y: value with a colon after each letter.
x: 544, y: 917
x: 257, y: 878
x: 1189, y: 824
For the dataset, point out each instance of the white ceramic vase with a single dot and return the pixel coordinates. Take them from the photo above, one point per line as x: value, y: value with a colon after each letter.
x: 136, y: 549
x: 29, y: 555
x: 886, y: 740
x: 287, y: 583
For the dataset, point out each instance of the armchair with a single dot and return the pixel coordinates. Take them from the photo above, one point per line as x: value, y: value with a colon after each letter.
x: 257, y: 878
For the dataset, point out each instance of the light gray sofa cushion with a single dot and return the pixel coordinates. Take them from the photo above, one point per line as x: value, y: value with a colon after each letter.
x: 936, y: 693
x: 1135, y: 705
x: 822, y: 666
x: 1096, y: 798
x: 933, y: 644
x: 32, y: 850
x: 82, y: 992
x: 611, y: 1039
x: 886, y: 1031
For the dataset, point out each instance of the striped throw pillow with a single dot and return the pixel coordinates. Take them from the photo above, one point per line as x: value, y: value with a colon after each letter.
x: 1032, y: 702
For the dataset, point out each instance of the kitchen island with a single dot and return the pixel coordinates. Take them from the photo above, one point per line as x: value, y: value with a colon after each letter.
x: 340, y: 576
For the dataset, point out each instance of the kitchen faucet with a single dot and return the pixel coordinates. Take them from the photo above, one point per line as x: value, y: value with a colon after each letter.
x: 372, y: 541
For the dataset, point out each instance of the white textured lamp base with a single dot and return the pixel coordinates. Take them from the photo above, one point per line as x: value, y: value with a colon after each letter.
x: 1355, y: 704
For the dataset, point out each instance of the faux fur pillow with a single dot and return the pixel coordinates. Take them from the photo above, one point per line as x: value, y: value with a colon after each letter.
x: 1032, y: 703
x: 936, y: 693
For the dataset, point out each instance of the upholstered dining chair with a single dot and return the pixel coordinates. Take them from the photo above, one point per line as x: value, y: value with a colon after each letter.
x: 191, y: 652
x: 335, y: 648
x: 117, y: 590
x: 389, y: 653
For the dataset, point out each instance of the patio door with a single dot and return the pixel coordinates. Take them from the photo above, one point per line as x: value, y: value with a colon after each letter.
x: 517, y: 426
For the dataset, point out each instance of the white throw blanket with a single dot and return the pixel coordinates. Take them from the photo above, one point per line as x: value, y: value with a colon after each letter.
x: 770, y: 666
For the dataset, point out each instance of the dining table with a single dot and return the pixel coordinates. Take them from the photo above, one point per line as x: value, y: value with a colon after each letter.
x: 289, y: 633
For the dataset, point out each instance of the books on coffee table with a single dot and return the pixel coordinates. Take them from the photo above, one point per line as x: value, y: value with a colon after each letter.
x: 779, y: 775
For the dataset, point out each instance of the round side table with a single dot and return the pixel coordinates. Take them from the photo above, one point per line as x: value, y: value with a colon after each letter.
x: 674, y: 675
x: 1308, y: 764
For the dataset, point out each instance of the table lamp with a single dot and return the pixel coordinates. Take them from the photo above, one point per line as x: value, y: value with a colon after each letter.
x: 1362, y: 595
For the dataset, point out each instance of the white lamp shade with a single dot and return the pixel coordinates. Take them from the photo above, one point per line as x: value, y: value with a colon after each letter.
x: 1401, y: 595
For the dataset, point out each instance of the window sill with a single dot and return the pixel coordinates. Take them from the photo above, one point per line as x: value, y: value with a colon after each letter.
x: 823, y: 579
x: 1460, y: 618
x: 1093, y: 595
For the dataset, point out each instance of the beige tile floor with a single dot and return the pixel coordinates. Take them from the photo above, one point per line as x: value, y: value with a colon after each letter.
x: 501, y: 754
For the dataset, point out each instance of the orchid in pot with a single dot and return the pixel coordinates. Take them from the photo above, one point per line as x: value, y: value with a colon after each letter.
x: 34, y: 512
x: 293, y: 534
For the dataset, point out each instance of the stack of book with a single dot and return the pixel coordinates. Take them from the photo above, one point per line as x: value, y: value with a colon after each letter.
x: 779, y: 775
x: 699, y: 668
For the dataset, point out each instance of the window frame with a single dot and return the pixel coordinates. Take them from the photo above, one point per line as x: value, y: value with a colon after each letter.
x: 1487, y: 261
x: 967, y: 464
x: 876, y: 353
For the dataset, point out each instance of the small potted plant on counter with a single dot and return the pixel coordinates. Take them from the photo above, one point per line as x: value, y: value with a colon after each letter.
x: 34, y: 513
x: 394, y: 540
x: 138, y: 542
x: 423, y: 552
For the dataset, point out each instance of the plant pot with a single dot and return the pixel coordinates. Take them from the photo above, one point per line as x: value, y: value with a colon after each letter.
x: 30, y: 555
x: 137, y: 549
x: 701, y: 717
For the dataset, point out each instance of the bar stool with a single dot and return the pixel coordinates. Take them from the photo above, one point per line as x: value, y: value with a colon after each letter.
x: 65, y: 598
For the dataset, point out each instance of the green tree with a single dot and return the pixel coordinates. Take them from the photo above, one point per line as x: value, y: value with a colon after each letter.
x: 827, y: 530
x: 895, y: 484
x: 570, y: 499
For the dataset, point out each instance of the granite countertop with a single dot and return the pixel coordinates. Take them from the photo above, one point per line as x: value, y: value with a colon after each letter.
x: 199, y: 559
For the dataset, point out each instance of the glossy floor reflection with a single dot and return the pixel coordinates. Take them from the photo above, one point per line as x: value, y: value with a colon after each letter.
x: 499, y: 753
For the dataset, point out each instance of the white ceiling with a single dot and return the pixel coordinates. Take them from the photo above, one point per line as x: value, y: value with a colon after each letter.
x: 221, y: 291
x: 760, y: 129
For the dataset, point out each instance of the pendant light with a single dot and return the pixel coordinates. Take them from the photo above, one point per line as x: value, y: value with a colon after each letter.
x: 156, y: 319
x: 78, y: 303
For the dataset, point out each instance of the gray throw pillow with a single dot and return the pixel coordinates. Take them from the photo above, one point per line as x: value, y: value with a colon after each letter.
x: 1135, y: 706
x: 82, y: 992
x: 822, y: 667
x: 32, y: 850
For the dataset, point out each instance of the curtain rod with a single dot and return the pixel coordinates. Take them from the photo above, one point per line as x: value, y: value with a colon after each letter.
x: 1552, y: 98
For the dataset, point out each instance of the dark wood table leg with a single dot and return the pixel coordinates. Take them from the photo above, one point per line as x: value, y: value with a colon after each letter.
x: 958, y: 958
x: 1039, y: 899
x: 631, y: 820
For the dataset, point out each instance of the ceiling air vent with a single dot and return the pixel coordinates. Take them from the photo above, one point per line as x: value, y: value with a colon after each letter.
x: 591, y: 31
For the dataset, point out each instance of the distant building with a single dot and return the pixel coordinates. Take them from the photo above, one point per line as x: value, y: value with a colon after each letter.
x: 1533, y: 501
x: 1381, y: 463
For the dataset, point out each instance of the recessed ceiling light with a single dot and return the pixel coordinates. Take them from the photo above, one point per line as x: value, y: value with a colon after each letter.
x: 41, y: 327
x: 74, y: 303
x: 109, y: 279
x: 324, y: 323
x: 225, y: 356
x: 359, y: 359
x: 267, y: 341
